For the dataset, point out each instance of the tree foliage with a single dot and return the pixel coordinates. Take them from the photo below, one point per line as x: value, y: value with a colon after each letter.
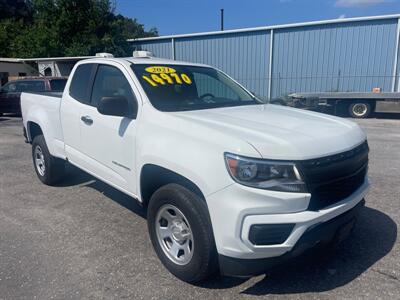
x: 47, y: 28
x: 17, y: 9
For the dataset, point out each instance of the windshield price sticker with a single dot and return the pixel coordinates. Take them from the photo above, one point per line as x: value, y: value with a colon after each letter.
x: 160, y: 75
x: 160, y: 70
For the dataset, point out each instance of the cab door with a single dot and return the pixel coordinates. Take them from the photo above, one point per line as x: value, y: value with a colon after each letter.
x: 108, y: 141
x: 75, y: 97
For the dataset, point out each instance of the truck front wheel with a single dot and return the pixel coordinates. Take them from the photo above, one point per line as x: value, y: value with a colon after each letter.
x: 360, y: 109
x: 48, y: 168
x: 181, y: 233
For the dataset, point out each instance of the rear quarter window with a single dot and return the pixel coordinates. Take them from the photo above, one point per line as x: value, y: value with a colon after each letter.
x: 57, y: 85
x: 79, y: 88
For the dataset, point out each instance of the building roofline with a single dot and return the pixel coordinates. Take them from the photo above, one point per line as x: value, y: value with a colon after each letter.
x: 67, y: 58
x: 10, y: 60
x: 37, y: 59
x: 252, y: 29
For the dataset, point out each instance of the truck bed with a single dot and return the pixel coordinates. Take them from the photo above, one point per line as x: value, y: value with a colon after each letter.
x: 43, y: 110
x: 49, y: 94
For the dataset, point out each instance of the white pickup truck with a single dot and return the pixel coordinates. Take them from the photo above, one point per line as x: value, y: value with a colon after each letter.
x: 230, y: 184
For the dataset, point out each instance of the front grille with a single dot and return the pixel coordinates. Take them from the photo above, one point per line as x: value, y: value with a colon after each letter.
x: 332, y: 178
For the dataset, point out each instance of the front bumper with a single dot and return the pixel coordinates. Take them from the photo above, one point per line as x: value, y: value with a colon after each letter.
x: 337, y: 228
x: 236, y: 208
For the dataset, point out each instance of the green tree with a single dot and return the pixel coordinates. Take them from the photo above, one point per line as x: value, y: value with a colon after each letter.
x: 16, y: 9
x: 67, y: 28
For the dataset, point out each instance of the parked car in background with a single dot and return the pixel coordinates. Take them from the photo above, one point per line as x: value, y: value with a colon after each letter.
x: 10, y: 93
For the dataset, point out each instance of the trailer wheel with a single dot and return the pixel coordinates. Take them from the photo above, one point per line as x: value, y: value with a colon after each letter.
x: 360, y: 109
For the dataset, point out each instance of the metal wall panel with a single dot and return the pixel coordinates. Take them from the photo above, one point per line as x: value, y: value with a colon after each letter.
x: 355, y: 56
x: 342, y: 56
x: 244, y: 56
x: 160, y: 48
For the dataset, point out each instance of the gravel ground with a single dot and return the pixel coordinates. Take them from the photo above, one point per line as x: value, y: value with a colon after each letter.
x: 85, y: 240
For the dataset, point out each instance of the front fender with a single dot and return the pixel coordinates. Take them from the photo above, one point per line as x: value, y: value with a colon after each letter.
x: 188, y: 149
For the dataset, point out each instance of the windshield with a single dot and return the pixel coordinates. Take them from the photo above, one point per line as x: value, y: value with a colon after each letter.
x: 179, y: 88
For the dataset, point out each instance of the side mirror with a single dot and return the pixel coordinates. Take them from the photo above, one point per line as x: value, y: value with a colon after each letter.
x: 114, y: 106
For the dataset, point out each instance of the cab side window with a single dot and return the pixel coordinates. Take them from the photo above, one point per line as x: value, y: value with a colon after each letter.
x: 58, y: 84
x: 79, y: 88
x: 111, y: 82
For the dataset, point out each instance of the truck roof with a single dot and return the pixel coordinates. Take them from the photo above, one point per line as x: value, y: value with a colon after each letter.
x: 148, y: 60
x: 162, y: 61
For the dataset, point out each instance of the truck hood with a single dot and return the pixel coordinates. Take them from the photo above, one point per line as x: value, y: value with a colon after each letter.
x: 279, y: 132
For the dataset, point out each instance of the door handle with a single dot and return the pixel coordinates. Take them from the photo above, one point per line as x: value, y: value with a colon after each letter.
x: 87, y: 120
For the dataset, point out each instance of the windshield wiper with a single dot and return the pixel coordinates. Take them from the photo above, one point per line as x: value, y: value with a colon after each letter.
x: 200, y: 106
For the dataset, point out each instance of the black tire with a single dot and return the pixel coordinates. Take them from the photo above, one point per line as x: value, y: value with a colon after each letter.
x: 54, y: 168
x: 360, y: 109
x: 203, y: 262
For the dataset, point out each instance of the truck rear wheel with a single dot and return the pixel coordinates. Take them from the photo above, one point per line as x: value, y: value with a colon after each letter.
x: 181, y: 233
x: 360, y: 109
x: 48, y: 168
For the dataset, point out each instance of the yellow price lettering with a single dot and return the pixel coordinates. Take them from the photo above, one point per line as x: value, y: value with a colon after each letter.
x: 163, y: 78
x: 167, y: 78
x: 149, y: 80
x: 157, y: 79
x: 176, y: 77
x: 186, y: 79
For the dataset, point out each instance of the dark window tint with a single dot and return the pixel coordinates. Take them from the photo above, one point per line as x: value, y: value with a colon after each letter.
x: 80, y: 81
x: 211, y: 85
x: 110, y: 82
x: 179, y: 87
x: 30, y: 86
x: 3, y: 77
x: 58, y: 85
x: 48, y: 72
x: 10, y: 87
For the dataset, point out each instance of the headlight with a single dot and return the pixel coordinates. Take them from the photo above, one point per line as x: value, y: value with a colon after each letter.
x: 265, y: 174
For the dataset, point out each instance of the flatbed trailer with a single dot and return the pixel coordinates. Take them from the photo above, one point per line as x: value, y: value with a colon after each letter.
x: 357, y: 104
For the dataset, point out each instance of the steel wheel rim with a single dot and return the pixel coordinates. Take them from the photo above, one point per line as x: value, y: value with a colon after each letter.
x: 39, y: 161
x: 174, y: 234
x: 360, y: 109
